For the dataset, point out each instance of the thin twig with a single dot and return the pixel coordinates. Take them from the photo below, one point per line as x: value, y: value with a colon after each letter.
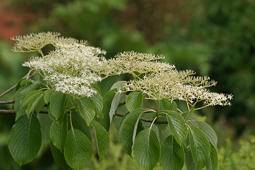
x: 12, y: 112
x: 9, y: 90
x: 145, y: 120
x: 7, y: 101
x: 27, y: 76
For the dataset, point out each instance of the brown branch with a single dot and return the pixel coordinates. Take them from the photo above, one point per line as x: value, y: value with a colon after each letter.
x: 7, y: 112
x: 7, y: 101
x: 12, y: 112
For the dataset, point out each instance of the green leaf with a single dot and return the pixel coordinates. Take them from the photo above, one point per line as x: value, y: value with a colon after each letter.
x: 208, y: 132
x: 58, y: 132
x: 118, y: 85
x: 25, y: 139
x: 33, y: 101
x: 212, y: 163
x: 189, y: 162
x: 79, y: 123
x: 165, y: 104
x: 115, y: 103
x: 211, y: 136
x: 86, y: 108
x: 177, y: 127
x: 58, y: 157
x: 46, y: 96
x: 104, y: 117
x: 98, y: 102
x: 172, y: 155
x: 77, y: 149
x: 24, y: 87
x: 57, y: 105
x: 102, y: 139
x: 200, y: 147
x: 45, y: 123
x: 146, y: 149
x: 134, y: 101
x: 128, y: 129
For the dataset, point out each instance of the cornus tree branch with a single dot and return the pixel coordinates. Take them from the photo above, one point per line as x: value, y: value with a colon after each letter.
x: 7, y: 112
x: 7, y: 101
x: 12, y: 112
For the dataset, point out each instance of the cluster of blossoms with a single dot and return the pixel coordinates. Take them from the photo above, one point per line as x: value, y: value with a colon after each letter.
x: 134, y: 63
x: 69, y: 68
x: 174, y: 85
x: 73, y: 67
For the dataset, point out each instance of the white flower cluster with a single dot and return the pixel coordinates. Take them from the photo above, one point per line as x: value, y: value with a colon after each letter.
x: 176, y: 85
x: 73, y: 67
x: 69, y: 69
x: 134, y: 63
x: 34, y: 42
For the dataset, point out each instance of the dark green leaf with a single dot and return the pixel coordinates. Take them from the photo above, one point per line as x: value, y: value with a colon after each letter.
x: 24, y: 87
x: 172, y: 155
x: 25, y: 139
x: 115, y: 103
x: 102, y: 139
x: 98, y: 102
x: 134, y: 101
x: 86, y: 108
x: 165, y: 104
x: 189, y: 162
x: 146, y: 149
x: 77, y: 149
x: 58, y: 157
x: 200, y: 147
x: 58, y: 131
x: 177, y: 127
x: 208, y: 132
x: 45, y: 123
x: 57, y: 105
x: 33, y: 101
x: 128, y: 129
x: 46, y: 96
x: 212, y: 163
x: 104, y: 116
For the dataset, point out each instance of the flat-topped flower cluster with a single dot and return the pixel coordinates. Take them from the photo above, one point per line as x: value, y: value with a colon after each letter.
x: 74, y: 66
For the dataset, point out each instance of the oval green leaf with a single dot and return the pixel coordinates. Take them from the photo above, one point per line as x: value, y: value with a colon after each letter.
x: 128, y: 129
x: 177, y: 127
x: 172, y: 155
x: 146, y: 149
x: 200, y: 147
x: 25, y: 139
x: 58, y: 132
x: 77, y: 149
x: 134, y: 101
x: 102, y: 139
x: 57, y: 105
x: 86, y: 108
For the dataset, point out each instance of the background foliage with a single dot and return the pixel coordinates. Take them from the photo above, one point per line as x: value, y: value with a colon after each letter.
x: 214, y: 38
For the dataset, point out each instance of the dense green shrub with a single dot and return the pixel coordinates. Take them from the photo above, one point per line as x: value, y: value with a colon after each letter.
x: 243, y: 158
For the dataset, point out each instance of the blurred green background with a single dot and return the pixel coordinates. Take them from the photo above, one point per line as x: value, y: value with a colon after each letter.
x: 215, y: 38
